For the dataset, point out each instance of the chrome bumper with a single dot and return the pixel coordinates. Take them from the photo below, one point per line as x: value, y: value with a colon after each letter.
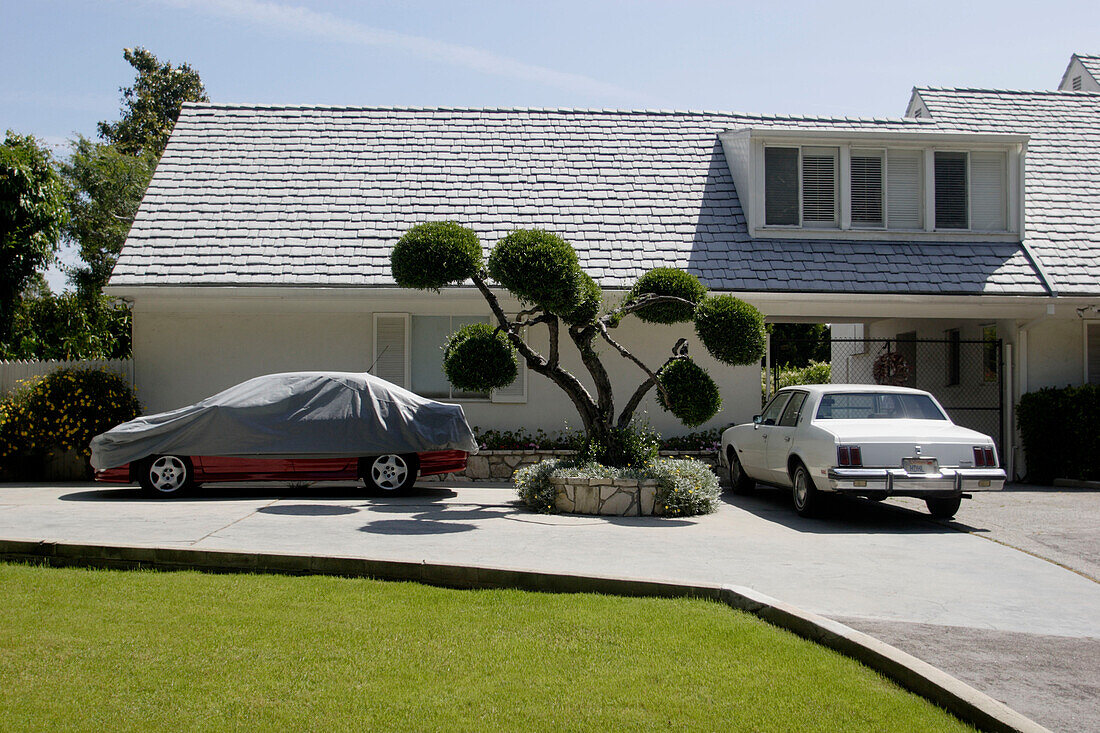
x: 897, y: 482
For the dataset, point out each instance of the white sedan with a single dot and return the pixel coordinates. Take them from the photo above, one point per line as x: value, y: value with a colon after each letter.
x: 864, y: 440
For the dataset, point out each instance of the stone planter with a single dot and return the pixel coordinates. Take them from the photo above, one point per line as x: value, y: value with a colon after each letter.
x: 499, y: 465
x: 606, y: 496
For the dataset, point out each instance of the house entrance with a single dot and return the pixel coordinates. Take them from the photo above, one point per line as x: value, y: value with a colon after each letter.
x: 967, y: 376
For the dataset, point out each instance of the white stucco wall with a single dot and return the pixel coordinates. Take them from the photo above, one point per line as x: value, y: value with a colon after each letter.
x: 187, y: 347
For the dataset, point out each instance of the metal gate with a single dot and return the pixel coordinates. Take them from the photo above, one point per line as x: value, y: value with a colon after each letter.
x: 966, y: 376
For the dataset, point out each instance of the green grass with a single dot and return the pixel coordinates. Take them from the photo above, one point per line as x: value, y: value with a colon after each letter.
x: 110, y: 650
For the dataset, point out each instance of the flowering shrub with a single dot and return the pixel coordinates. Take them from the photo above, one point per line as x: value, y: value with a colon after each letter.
x: 684, y: 487
x: 64, y: 409
x: 701, y: 440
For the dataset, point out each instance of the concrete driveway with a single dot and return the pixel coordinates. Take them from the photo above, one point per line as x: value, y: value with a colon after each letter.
x: 1015, y: 625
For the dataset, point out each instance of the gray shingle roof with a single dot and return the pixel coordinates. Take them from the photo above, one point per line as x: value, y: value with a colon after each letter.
x: 299, y: 196
x: 1062, y: 190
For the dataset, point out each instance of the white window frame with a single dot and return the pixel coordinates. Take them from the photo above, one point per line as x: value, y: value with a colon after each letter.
x: 751, y: 169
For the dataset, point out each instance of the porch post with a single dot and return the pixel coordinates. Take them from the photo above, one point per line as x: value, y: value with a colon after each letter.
x: 767, y: 365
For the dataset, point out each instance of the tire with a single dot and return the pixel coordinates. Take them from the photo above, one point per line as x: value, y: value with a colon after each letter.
x: 740, y: 483
x: 390, y: 473
x: 164, y: 477
x: 943, y: 508
x: 807, y: 499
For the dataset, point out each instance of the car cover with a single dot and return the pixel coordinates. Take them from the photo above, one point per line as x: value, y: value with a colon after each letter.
x: 293, y: 415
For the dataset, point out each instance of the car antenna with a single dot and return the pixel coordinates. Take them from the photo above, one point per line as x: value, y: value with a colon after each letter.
x: 370, y: 370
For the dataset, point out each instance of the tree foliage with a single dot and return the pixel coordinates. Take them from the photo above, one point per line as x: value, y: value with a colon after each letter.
x: 32, y: 213
x: 478, y: 358
x: 799, y: 344
x: 152, y: 105
x: 103, y: 190
x: 543, y: 272
x: 68, y: 326
x: 673, y: 282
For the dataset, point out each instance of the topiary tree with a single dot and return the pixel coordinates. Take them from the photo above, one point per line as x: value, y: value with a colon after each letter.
x: 542, y: 271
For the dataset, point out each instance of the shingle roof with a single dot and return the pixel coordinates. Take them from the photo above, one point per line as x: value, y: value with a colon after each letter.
x: 1091, y: 64
x: 250, y: 195
x: 1062, y: 191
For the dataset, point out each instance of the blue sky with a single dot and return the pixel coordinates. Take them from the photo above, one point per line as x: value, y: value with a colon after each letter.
x: 62, y: 59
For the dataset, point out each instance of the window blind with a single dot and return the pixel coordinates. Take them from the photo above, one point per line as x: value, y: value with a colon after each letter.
x: 867, y: 206
x: 903, y: 189
x: 389, y: 348
x: 951, y: 194
x: 819, y: 186
x: 987, y: 191
x: 517, y: 390
x: 781, y: 186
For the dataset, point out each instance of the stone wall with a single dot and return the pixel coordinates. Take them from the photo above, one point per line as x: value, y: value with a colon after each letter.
x: 498, y: 465
x: 620, y: 497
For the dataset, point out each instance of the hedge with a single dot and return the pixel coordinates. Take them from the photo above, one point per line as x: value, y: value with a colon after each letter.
x: 1061, y: 433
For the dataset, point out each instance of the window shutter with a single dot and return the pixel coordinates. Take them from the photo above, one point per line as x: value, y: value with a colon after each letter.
x: 517, y: 390
x: 951, y: 204
x: 391, y: 348
x: 903, y: 186
x: 866, y: 188
x: 987, y: 191
x: 1093, y: 346
x: 781, y: 186
x: 819, y: 184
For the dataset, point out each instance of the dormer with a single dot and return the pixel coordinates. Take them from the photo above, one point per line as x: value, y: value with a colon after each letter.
x: 820, y: 183
x: 1082, y: 74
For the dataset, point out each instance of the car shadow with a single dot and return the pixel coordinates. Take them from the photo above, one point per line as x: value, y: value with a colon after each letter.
x: 274, y: 490
x: 842, y: 515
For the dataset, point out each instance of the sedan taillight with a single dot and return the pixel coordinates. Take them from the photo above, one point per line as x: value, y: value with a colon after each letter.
x: 849, y: 455
x: 984, y: 457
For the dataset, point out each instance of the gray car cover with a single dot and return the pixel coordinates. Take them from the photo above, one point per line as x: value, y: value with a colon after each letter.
x: 293, y: 415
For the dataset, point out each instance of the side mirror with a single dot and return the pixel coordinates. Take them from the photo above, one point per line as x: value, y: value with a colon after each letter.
x: 756, y: 420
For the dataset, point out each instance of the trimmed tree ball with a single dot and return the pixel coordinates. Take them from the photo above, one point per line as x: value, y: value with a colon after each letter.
x: 668, y: 281
x: 693, y: 396
x: 591, y: 302
x: 433, y: 255
x: 477, y: 358
x: 539, y: 267
x: 730, y: 329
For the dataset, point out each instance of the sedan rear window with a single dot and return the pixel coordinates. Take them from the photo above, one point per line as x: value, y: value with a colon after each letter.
x: 877, y: 406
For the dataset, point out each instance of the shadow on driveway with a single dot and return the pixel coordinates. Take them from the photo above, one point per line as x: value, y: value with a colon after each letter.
x: 842, y: 515
x: 276, y: 491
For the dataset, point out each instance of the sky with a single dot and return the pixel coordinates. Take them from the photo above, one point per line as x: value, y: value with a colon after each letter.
x: 63, y: 67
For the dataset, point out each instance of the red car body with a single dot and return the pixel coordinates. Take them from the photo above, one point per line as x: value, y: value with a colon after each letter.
x: 209, y: 469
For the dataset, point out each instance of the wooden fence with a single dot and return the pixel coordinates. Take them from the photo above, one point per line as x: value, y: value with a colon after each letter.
x: 14, y: 372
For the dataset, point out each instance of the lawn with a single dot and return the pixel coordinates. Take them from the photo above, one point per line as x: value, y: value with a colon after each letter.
x: 115, y: 650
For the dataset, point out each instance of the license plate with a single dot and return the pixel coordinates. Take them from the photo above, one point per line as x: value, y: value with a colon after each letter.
x: 920, y: 465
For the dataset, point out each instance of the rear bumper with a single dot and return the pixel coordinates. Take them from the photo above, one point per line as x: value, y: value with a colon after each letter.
x: 896, y: 482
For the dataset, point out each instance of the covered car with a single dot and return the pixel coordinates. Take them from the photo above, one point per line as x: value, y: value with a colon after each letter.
x: 297, y: 425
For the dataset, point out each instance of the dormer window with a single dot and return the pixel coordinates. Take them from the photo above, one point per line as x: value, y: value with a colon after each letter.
x: 894, y: 185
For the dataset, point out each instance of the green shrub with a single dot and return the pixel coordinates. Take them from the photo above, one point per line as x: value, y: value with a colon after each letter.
x: 64, y: 410
x: 634, y: 445
x: 1060, y: 429
x: 701, y: 440
x: 432, y: 255
x: 684, y: 487
x: 539, y: 267
x: 693, y: 396
x: 478, y: 358
x: 816, y: 372
x: 731, y: 329
x: 668, y: 281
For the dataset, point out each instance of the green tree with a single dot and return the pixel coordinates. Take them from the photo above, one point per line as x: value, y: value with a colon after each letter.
x: 543, y: 272
x: 799, y: 344
x: 103, y: 190
x: 152, y: 105
x: 69, y: 325
x: 32, y: 213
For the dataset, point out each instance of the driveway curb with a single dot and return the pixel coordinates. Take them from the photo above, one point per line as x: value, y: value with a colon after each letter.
x: 911, y: 673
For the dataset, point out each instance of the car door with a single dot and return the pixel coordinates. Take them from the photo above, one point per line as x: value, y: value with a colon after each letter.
x: 752, y: 446
x: 781, y: 439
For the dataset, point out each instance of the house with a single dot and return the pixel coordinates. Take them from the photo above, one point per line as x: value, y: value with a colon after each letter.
x: 263, y: 241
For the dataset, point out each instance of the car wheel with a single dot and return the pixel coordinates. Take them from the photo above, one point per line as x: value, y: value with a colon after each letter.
x: 390, y: 473
x: 740, y: 482
x: 166, y: 476
x: 807, y: 499
x: 943, y: 508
